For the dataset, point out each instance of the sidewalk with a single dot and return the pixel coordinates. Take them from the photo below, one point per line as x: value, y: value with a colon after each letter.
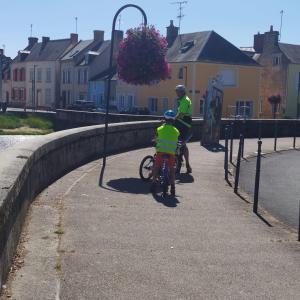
x: 118, y: 242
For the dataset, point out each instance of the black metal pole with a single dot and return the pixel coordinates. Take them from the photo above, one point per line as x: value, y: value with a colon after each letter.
x: 275, y: 135
x: 238, y: 165
x: 259, y: 130
x: 257, y: 176
x: 226, y: 153
x: 231, y: 141
x: 295, y: 134
x: 243, y: 146
x: 299, y: 224
x: 109, y: 81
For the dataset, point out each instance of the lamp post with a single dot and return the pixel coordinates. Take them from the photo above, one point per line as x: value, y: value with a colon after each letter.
x: 109, y: 81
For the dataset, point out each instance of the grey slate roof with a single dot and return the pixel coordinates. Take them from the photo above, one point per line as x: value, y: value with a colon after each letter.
x: 292, y: 52
x: 81, y: 45
x: 52, y: 51
x: 208, y: 47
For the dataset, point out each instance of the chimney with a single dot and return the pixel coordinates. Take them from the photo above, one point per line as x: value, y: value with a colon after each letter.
x: 32, y: 41
x: 258, y: 42
x: 172, y: 33
x: 270, y: 40
x: 99, y: 35
x: 45, y: 40
x: 1, y: 52
x: 74, y: 38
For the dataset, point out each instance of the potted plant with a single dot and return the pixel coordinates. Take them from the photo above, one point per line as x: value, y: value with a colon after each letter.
x: 141, y: 58
x: 274, y: 100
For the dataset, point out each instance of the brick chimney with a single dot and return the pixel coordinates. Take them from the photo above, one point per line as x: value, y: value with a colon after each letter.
x: 99, y: 35
x: 32, y: 41
x: 45, y: 40
x: 270, y: 40
x: 172, y: 33
x: 74, y: 38
x: 258, y: 42
x: 1, y: 52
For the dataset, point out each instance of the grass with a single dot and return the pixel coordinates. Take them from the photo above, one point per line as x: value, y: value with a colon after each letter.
x: 59, y: 231
x: 29, y: 125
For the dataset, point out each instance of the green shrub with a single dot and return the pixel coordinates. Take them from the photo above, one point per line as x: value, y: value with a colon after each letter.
x: 36, y: 122
x: 10, y: 122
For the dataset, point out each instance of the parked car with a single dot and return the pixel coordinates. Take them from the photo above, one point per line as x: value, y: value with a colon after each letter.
x: 112, y: 109
x: 83, y: 105
x: 136, y: 111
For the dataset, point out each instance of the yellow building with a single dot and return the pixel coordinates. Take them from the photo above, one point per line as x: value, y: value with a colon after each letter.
x: 195, y: 58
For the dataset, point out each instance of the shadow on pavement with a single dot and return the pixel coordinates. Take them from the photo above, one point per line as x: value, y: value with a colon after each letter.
x: 215, y: 148
x: 185, y: 178
x: 129, y: 185
x: 168, y: 201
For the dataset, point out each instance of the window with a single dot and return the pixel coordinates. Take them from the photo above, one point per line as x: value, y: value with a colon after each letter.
x: 64, y: 76
x: 48, y: 96
x: 68, y: 97
x: 276, y: 60
x: 228, y: 77
x: 85, y: 76
x: 164, y: 104
x: 152, y: 105
x: 69, y: 76
x: 39, y: 74
x: 130, y: 103
x: 31, y: 74
x: 30, y: 94
x: 22, y: 74
x: 201, y: 111
x: 244, y: 109
x: 48, y: 75
x: 297, y: 81
x: 122, y: 101
x: 78, y: 76
x: 180, y: 73
x: 15, y: 75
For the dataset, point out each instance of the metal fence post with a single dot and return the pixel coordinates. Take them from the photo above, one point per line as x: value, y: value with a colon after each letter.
x: 295, y: 134
x: 243, y: 146
x: 275, y: 135
x: 231, y: 142
x: 259, y: 129
x: 257, y: 176
x: 299, y: 224
x: 226, y: 153
x: 238, y: 165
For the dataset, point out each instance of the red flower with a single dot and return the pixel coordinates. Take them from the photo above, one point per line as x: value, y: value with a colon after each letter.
x: 141, y: 58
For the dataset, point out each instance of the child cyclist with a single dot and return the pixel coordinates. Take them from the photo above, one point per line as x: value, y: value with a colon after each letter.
x: 166, y: 143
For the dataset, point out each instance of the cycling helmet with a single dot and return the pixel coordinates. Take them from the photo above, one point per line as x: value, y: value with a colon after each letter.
x: 170, y: 115
x: 180, y: 88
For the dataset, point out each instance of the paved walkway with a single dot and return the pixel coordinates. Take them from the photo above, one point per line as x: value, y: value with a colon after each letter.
x: 118, y: 242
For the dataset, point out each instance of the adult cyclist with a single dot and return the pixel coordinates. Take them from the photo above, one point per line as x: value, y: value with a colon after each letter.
x: 184, y: 120
x: 166, y: 143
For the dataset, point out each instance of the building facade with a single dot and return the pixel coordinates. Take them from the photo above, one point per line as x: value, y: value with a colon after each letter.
x: 35, y: 72
x: 196, y: 58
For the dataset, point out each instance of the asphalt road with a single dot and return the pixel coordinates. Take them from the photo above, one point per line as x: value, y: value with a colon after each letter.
x: 279, y: 185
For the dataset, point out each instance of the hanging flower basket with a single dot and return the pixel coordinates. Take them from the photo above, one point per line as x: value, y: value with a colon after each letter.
x: 273, y: 100
x: 141, y: 58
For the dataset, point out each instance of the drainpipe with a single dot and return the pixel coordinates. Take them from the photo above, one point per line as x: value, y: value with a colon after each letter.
x: 194, y: 85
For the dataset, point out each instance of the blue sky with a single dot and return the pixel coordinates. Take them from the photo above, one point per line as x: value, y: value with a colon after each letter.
x: 235, y: 20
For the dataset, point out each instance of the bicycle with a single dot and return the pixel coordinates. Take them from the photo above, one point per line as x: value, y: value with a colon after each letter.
x: 146, y: 167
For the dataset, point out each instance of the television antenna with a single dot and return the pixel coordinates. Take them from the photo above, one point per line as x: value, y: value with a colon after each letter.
x: 76, y: 19
x: 31, y: 29
x: 180, y: 9
x: 281, y: 12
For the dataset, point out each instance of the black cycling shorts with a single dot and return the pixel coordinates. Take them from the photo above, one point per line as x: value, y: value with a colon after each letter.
x: 183, y: 129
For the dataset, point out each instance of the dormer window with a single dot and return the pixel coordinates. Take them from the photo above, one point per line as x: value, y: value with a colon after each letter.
x: 276, y: 60
x: 187, y: 46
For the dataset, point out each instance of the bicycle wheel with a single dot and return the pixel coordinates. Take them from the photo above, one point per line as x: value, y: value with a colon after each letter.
x: 146, y: 167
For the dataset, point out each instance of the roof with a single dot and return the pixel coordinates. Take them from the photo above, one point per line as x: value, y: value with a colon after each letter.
x: 81, y: 45
x: 206, y: 46
x: 292, y: 52
x: 52, y: 51
x: 96, y: 50
x: 105, y: 74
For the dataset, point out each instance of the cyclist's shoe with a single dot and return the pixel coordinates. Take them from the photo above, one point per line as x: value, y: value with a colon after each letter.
x: 188, y: 169
x: 153, y: 188
x: 173, y: 190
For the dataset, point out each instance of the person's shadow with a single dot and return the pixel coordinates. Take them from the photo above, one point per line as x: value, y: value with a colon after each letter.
x: 128, y: 185
x: 169, y: 201
x: 185, y: 178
